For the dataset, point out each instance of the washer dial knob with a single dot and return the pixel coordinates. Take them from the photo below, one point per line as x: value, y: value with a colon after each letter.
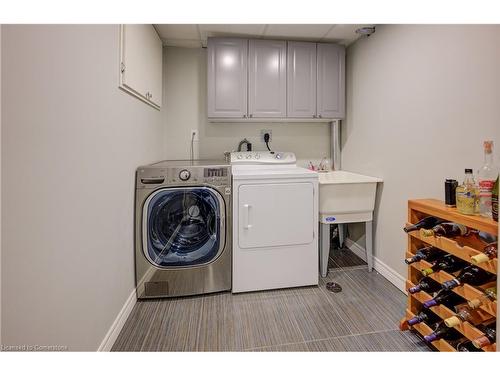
x: 184, y: 175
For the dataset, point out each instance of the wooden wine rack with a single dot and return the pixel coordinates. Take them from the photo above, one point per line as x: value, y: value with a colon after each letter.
x: 463, y: 248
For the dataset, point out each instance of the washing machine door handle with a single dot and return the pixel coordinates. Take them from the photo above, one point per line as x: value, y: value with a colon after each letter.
x: 246, y: 216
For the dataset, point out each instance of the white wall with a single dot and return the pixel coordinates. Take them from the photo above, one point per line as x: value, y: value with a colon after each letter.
x: 185, y: 96
x: 420, y: 101
x: 71, y: 141
x: 0, y: 184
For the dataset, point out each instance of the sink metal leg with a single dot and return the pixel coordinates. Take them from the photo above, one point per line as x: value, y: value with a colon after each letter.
x: 324, y: 248
x: 341, y: 228
x: 369, y: 244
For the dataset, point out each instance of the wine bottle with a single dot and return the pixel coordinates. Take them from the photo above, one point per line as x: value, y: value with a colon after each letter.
x: 446, y: 230
x: 429, y: 253
x: 444, y: 297
x: 489, y: 252
x: 464, y: 313
x: 489, y: 336
x: 488, y: 295
x: 425, y: 223
x: 486, y: 180
x: 426, y: 284
x: 494, y: 200
x: 441, y: 331
x: 448, y: 263
x: 466, y: 346
x: 426, y: 316
x: 471, y: 275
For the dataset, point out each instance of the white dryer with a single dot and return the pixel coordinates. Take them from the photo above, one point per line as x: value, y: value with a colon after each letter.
x: 275, y: 222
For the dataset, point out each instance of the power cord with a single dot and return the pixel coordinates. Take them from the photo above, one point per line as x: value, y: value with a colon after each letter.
x: 266, y: 139
x: 192, y: 148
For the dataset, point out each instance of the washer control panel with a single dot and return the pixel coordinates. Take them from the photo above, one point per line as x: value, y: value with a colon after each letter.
x: 263, y: 157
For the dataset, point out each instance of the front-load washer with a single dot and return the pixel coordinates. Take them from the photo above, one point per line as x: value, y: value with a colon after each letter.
x: 183, y: 228
x: 275, y: 222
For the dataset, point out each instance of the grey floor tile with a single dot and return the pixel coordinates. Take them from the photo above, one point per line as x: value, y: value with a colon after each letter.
x: 175, y: 326
x: 264, y: 322
x: 316, y: 317
x: 301, y: 347
x: 343, y: 258
x: 137, y: 326
x: 217, y: 328
x: 390, y: 341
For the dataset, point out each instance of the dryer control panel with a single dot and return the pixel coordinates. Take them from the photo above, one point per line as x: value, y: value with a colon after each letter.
x: 263, y: 157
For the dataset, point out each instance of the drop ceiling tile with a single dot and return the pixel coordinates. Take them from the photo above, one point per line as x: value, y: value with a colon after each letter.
x: 316, y: 31
x: 344, y: 34
x: 231, y: 30
x: 178, y: 31
x: 186, y: 43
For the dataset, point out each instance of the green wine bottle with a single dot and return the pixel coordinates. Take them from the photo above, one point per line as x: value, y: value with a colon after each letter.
x: 494, y: 201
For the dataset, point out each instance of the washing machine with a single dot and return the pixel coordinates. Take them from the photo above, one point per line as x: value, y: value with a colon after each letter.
x: 275, y: 222
x: 183, y: 228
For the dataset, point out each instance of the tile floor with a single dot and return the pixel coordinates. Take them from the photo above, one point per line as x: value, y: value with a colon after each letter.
x: 363, y: 317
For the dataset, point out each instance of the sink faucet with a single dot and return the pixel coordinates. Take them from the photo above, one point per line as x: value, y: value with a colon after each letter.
x: 249, y: 145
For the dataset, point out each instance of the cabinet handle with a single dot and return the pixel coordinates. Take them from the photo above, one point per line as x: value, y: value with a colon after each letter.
x: 250, y: 115
x: 244, y: 116
x: 246, y: 217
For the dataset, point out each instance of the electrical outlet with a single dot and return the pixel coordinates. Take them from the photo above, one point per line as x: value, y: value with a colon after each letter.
x: 195, y: 131
x: 264, y: 131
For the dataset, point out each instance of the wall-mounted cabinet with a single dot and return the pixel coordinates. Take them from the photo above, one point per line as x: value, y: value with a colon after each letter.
x: 269, y: 80
x: 302, y: 80
x: 266, y: 79
x: 227, y: 77
x: 141, y: 63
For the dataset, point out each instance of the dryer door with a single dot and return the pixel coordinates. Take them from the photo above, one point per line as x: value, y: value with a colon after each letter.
x: 183, y: 227
x: 279, y: 214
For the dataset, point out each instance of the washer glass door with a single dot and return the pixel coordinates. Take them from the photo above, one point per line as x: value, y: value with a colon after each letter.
x: 183, y: 227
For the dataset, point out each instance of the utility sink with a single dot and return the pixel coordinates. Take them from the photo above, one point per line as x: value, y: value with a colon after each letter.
x: 346, y: 197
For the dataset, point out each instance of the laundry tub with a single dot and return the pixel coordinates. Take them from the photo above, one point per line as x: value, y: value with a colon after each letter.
x: 345, y: 197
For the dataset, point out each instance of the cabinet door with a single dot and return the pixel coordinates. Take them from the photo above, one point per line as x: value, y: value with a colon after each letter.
x: 267, y: 78
x: 301, y: 72
x: 141, y: 63
x: 331, y: 81
x: 155, y: 51
x: 227, y: 77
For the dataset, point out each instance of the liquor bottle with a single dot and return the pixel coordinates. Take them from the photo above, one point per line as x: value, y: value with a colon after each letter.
x: 446, y: 230
x: 489, y: 252
x: 429, y: 253
x: 488, y: 295
x: 448, y: 263
x: 466, y: 346
x: 441, y: 331
x: 471, y: 275
x: 426, y: 316
x: 486, y: 178
x: 426, y: 223
x: 494, y: 200
x: 427, y: 285
x: 468, y: 195
x: 489, y: 336
x: 444, y: 297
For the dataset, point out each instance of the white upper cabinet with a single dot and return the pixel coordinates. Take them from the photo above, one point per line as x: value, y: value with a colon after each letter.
x: 331, y: 81
x: 269, y: 79
x: 301, y: 80
x: 227, y: 77
x: 266, y: 78
x: 141, y: 63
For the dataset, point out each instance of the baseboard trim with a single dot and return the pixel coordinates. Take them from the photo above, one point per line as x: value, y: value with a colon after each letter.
x: 118, y: 324
x: 390, y: 274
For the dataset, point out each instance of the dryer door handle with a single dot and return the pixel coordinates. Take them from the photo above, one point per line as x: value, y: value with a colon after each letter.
x: 246, y: 216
